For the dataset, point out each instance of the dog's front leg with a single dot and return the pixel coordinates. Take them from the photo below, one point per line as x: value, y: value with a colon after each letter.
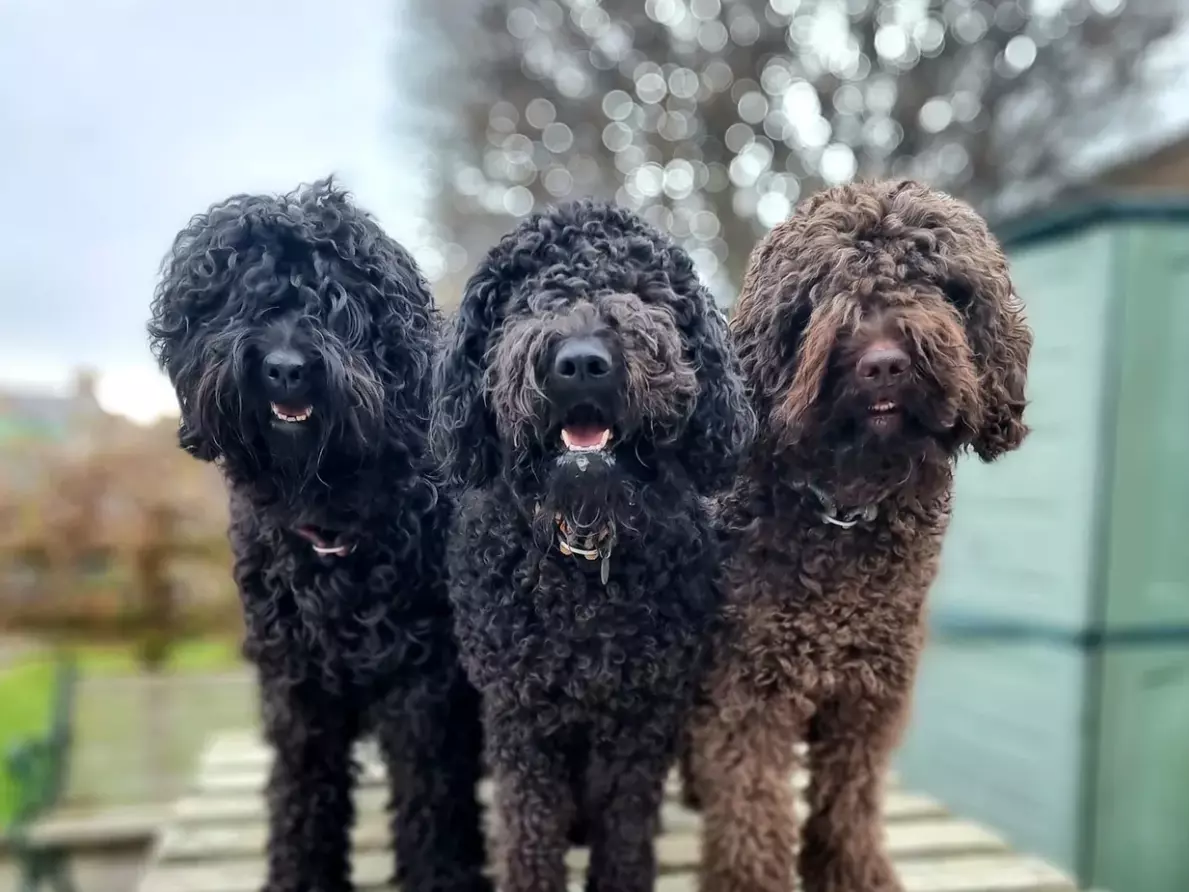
x: 742, y: 767
x: 431, y: 739
x: 624, y: 789
x: 842, y: 846
x: 534, y: 807
x: 685, y: 772
x: 309, y: 790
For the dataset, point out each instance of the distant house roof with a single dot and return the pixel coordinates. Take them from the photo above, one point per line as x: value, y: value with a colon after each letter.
x: 30, y: 415
x: 24, y: 416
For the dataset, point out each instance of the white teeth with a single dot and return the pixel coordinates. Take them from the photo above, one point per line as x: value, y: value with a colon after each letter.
x: 303, y: 415
x: 885, y: 406
x: 336, y: 550
x: 567, y: 440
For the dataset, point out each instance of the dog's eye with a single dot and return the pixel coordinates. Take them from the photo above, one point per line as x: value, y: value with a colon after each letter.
x: 959, y: 294
x: 797, y: 320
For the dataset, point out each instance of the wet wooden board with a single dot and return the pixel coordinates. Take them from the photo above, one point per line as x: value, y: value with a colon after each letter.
x: 240, y: 763
x: 214, y: 839
x: 228, y: 778
x: 899, y: 805
x: 678, y: 846
x: 979, y: 873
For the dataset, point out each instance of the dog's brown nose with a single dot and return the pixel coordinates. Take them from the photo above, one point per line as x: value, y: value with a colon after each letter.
x: 882, y: 364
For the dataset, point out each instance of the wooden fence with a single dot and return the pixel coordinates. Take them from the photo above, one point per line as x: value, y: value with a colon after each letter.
x: 154, y: 589
x: 113, y: 533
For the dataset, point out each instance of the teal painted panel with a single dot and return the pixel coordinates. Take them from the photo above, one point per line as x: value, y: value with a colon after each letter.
x: 1148, y: 575
x: 996, y: 734
x: 1141, y: 834
x: 1023, y: 533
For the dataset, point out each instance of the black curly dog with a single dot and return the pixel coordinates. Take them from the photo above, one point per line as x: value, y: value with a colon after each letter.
x: 300, y: 338
x: 587, y: 403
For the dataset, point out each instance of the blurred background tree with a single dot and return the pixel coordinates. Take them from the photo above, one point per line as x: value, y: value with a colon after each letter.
x: 112, y: 533
x: 713, y: 117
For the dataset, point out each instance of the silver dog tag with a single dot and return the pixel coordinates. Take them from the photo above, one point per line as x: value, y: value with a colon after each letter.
x: 605, y: 568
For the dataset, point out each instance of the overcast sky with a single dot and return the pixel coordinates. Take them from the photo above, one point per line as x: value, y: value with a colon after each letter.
x: 119, y: 119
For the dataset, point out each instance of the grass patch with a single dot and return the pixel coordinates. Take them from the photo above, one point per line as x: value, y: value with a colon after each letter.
x: 199, y: 655
x: 25, y: 694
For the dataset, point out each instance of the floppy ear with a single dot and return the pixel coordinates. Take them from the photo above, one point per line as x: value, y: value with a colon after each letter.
x: 980, y: 287
x: 968, y: 263
x: 781, y: 337
x: 723, y: 424
x: 397, y: 300
x: 202, y: 448
x: 462, y: 428
x: 195, y: 275
x: 1002, y: 344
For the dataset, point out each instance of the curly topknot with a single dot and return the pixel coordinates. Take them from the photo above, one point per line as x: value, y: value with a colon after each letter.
x: 857, y: 247
x: 583, y: 248
x: 310, y: 250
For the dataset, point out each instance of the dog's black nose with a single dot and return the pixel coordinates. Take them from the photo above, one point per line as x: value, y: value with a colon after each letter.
x: 882, y: 364
x: 285, y: 374
x: 580, y: 363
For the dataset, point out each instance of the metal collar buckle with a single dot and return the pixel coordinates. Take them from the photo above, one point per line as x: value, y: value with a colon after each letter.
x: 594, y: 547
x: 830, y: 515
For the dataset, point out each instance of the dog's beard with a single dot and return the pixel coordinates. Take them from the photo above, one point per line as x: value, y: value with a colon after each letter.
x: 589, y: 494
x: 837, y: 448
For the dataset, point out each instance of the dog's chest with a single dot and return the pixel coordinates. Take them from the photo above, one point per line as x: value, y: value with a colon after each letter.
x: 346, y: 622
x: 832, y: 613
x: 574, y: 639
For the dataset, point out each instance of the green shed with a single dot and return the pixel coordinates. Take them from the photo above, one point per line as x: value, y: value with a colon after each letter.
x: 1053, y: 699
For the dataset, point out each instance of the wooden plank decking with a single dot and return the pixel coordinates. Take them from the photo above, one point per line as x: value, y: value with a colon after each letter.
x: 214, y: 837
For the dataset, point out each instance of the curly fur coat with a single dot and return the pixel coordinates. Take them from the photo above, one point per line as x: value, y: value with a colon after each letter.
x: 299, y: 338
x: 880, y: 336
x: 586, y: 395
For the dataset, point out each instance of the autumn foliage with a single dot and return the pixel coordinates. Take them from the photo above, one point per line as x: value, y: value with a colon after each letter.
x: 113, y: 532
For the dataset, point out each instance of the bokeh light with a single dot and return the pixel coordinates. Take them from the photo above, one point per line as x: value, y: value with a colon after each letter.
x: 714, y: 118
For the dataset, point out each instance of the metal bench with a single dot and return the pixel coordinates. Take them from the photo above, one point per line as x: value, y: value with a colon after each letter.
x: 48, y: 831
x: 38, y: 770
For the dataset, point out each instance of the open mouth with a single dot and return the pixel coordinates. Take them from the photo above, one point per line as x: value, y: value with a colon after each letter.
x: 585, y: 430
x: 883, y: 414
x: 291, y: 414
x: 321, y: 545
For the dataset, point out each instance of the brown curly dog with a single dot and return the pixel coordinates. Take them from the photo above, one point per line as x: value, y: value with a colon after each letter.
x: 880, y: 337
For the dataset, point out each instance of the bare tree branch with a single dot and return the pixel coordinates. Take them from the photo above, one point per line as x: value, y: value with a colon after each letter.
x: 712, y: 117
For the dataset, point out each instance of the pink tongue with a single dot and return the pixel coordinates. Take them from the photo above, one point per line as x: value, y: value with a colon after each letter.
x: 288, y: 410
x: 585, y: 437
